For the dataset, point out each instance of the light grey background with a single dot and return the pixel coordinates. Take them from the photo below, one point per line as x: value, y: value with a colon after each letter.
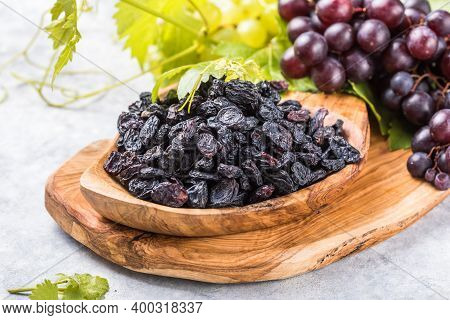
x: 36, y: 139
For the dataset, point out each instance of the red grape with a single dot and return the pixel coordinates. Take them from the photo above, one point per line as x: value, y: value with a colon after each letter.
x: 373, y: 36
x: 422, y: 140
x: 412, y: 17
x: 440, y: 126
x: 289, y: 9
x: 359, y: 66
x: 356, y: 23
x: 318, y: 24
x: 438, y: 98
x: 328, y: 76
x: 430, y: 175
x: 418, y: 107
x: 297, y: 26
x: 442, y: 45
x: 423, y: 86
x: 388, y: 11
x: 442, y: 181
x: 391, y: 100
x: 311, y: 48
x: 291, y: 66
x: 439, y: 22
x: 443, y: 161
x: 402, y: 83
x: 421, y: 5
x: 446, y: 104
x: 331, y: 11
x: 397, y: 57
x: 339, y: 36
x: 445, y: 64
x: 422, y: 43
x: 418, y: 163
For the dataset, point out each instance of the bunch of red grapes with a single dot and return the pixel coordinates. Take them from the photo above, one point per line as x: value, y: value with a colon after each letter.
x: 401, y: 48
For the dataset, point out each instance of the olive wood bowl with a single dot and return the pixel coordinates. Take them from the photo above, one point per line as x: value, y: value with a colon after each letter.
x: 110, y: 199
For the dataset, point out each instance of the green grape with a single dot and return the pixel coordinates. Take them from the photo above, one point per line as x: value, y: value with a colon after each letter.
x: 251, y: 8
x: 269, y: 20
x: 231, y: 12
x: 252, y: 33
x: 227, y: 34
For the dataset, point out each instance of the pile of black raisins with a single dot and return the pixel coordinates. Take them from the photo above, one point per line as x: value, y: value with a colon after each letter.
x: 239, y: 145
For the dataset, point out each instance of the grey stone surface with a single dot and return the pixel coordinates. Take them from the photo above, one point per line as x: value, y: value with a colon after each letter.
x: 36, y: 139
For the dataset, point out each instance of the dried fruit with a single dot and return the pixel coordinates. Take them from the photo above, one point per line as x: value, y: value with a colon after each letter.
x: 169, y: 194
x: 198, y: 195
x: 239, y: 145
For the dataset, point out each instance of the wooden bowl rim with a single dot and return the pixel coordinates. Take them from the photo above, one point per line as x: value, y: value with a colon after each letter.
x: 345, y: 175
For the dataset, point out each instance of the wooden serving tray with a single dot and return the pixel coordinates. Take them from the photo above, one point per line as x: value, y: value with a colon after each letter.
x: 382, y: 201
x: 114, y: 202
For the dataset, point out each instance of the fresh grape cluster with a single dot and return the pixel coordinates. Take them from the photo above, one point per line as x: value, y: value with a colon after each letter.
x: 401, y: 48
x: 431, y: 151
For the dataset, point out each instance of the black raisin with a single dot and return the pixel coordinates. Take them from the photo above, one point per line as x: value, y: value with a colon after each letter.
x: 262, y: 193
x: 207, y: 145
x: 198, y: 195
x: 229, y: 171
x: 142, y: 188
x: 223, y: 193
x: 231, y: 117
x: 169, y: 194
x: 279, y: 135
x: 301, y: 174
x: 148, y: 130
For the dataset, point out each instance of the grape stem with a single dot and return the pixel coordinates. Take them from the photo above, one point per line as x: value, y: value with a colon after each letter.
x: 424, y: 76
x: 23, y: 290
x: 357, y: 10
x: 436, y: 151
x: 201, y: 13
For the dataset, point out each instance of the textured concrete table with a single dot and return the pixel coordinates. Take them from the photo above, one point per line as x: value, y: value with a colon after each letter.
x: 36, y: 139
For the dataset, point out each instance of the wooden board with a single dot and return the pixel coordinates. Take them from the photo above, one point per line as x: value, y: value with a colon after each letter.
x: 383, y: 201
x: 113, y: 201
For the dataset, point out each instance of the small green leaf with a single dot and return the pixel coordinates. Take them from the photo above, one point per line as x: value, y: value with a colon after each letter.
x: 400, y: 134
x: 188, y: 80
x: 91, y: 287
x: 45, y: 291
x: 65, y: 56
x: 64, y: 32
x: 72, y: 292
x: 167, y: 76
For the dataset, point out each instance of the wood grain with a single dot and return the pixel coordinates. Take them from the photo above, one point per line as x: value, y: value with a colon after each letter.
x: 112, y: 201
x: 382, y: 201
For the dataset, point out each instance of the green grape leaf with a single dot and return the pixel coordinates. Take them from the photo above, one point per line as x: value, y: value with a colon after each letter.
x: 233, y: 50
x: 229, y: 69
x: 304, y: 84
x: 400, y: 134
x: 382, y: 115
x: 63, y: 31
x: 167, y: 76
x: 154, y: 31
x: 139, y: 29
x: 45, y: 291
